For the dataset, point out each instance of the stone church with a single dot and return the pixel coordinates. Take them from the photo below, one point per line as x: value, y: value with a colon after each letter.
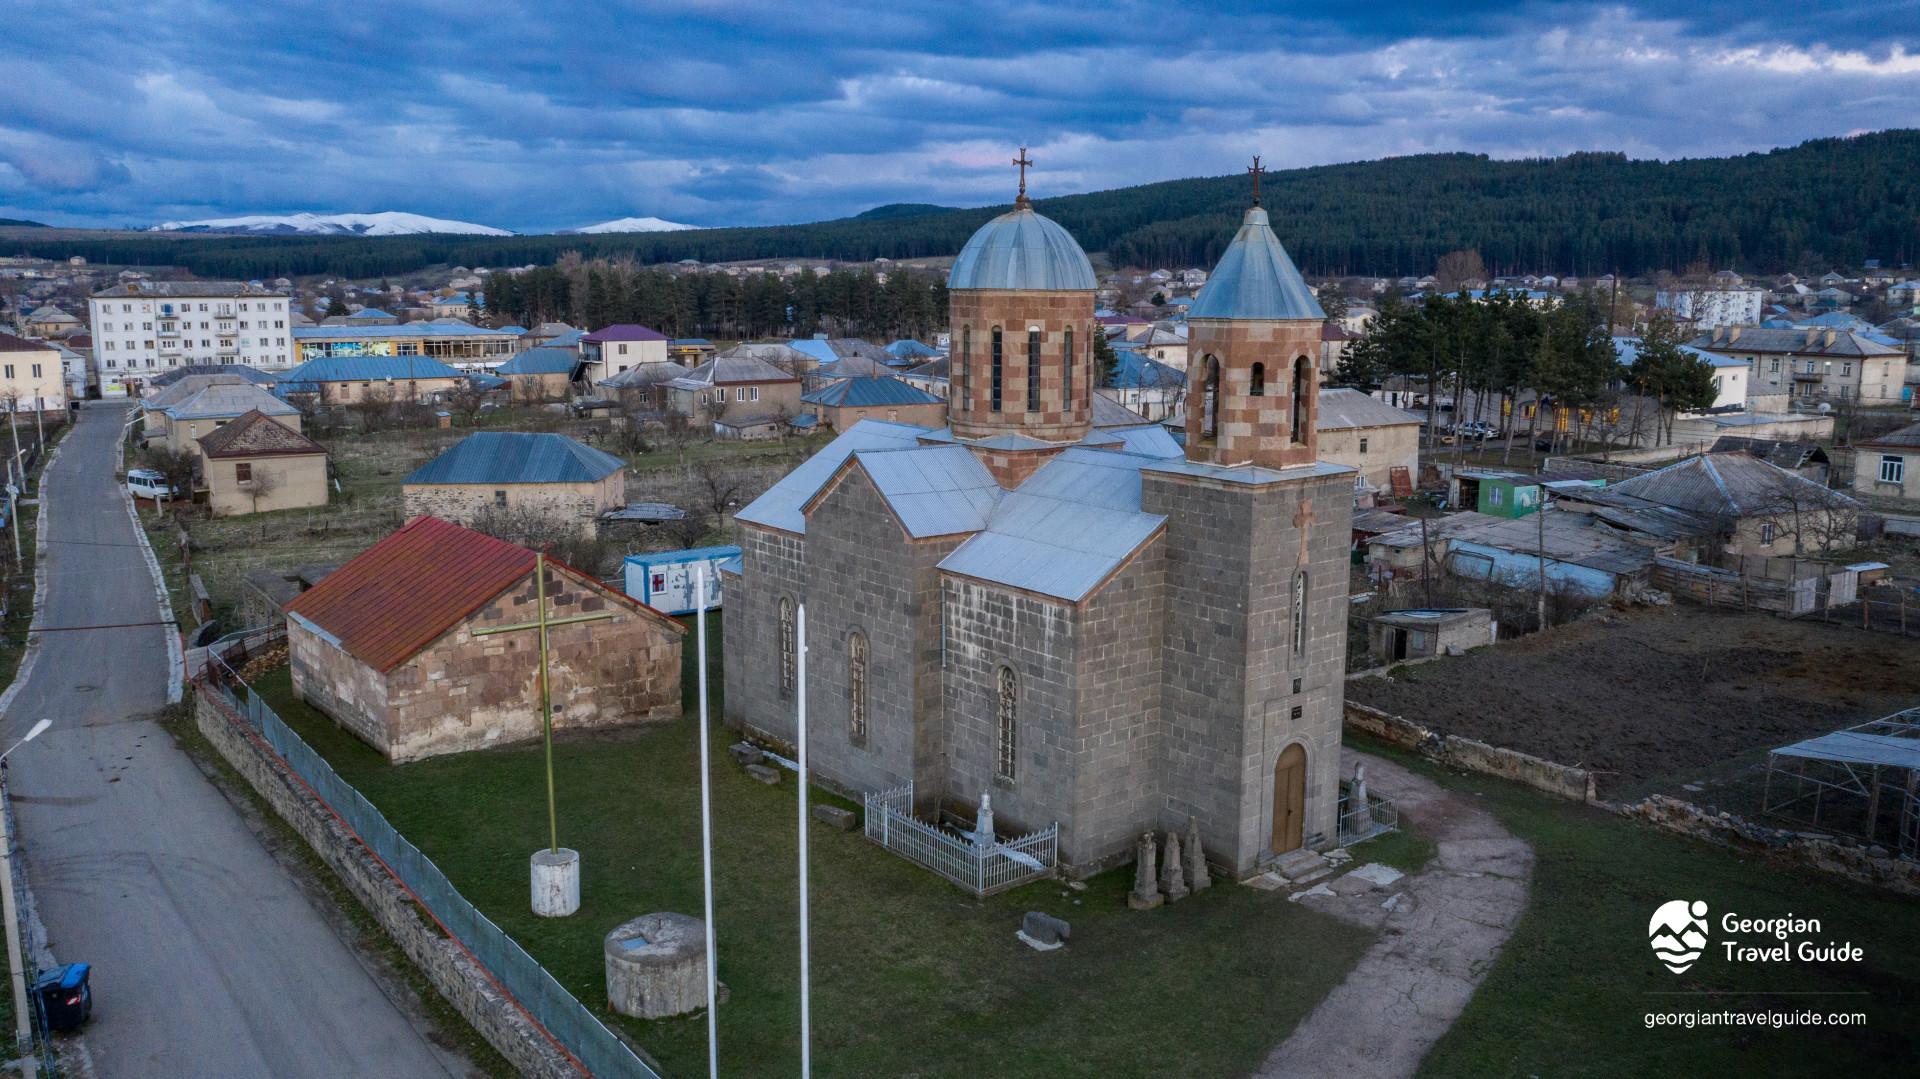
x: 1114, y: 628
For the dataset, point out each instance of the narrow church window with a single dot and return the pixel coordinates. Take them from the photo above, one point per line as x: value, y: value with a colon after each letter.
x: 788, y: 647
x: 1210, y: 402
x: 1300, y: 611
x: 1066, y: 371
x: 1004, y: 759
x: 957, y: 373
x: 1302, y: 392
x: 996, y: 368
x: 1033, y: 370
x: 857, y: 687
x: 1258, y: 386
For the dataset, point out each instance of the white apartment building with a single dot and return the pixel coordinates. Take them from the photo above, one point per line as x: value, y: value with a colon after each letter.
x: 1708, y: 308
x: 143, y: 329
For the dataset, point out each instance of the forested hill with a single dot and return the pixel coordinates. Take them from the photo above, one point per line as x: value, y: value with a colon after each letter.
x: 1829, y: 202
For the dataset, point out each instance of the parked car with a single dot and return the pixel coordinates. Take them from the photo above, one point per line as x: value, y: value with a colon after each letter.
x: 146, y: 483
x: 1475, y: 429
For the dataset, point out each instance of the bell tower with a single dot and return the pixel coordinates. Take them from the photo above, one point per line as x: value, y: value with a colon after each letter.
x: 1253, y: 375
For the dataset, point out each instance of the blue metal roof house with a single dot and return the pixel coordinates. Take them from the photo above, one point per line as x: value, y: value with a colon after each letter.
x: 664, y: 580
x: 866, y: 392
x: 501, y: 457
x: 541, y: 361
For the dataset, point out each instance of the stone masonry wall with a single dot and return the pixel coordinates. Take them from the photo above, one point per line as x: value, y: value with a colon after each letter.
x: 989, y: 627
x: 773, y: 567
x: 454, y: 974
x: 347, y: 690
x: 868, y: 577
x: 468, y: 503
x: 1118, y: 789
x: 1253, y: 429
x: 465, y: 692
x: 1057, y: 418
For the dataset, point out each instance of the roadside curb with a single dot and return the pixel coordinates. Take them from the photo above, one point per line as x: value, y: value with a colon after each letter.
x: 176, y: 654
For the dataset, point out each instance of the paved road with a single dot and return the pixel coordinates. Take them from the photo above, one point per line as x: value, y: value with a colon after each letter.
x: 208, y: 959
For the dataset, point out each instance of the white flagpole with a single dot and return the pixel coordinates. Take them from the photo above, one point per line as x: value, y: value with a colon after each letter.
x: 806, y: 1003
x: 706, y: 832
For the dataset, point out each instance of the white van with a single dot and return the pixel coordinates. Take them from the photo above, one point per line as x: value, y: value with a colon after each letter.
x: 146, y: 483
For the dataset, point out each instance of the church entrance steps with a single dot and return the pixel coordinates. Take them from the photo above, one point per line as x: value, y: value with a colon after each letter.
x: 1300, y: 865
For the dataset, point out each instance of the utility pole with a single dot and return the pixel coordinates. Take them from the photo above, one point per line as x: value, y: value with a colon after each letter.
x: 1540, y: 512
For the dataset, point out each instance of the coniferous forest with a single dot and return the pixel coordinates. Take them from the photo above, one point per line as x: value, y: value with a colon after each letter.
x: 1825, y: 203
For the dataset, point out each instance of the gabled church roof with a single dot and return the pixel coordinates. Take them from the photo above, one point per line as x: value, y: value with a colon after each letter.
x: 782, y: 505
x: 1255, y: 279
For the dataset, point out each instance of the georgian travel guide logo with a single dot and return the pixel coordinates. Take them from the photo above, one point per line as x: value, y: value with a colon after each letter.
x: 1678, y: 933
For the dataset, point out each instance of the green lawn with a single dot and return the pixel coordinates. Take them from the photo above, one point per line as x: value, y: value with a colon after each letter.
x: 911, y: 976
x: 1570, y: 993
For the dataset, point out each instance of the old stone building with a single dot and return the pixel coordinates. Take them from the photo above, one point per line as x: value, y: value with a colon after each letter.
x: 1094, y: 624
x: 256, y: 464
x: 386, y: 646
x: 503, y: 474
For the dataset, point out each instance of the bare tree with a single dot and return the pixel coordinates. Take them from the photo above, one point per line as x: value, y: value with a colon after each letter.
x: 467, y: 401
x: 262, y: 484
x: 720, y: 487
x: 177, y: 467
x: 690, y: 529
x: 713, y: 407
x: 1457, y: 268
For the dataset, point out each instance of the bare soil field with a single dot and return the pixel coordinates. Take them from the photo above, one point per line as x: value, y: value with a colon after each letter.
x: 1659, y: 694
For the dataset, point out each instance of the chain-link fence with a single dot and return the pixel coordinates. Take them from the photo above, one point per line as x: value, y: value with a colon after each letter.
x: 598, y: 1049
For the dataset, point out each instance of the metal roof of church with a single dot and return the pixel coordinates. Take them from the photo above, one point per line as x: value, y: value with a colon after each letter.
x: 1255, y: 279
x: 1021, y: 250
x: 934, y: 490
x: 780, y: 506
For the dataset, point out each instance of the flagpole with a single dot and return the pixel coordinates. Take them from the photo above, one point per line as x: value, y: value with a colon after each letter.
x: 806, y: 1002
x: 546, y: 698
x: 706, y: 831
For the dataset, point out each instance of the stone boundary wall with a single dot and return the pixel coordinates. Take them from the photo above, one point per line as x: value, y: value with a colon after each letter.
x: 1860, y: 862
x: 1574, y: 784
x: 1866, y: 864
x: 454, y: 973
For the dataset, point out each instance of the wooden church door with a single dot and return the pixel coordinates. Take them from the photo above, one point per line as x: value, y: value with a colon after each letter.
x: 1289, y: 798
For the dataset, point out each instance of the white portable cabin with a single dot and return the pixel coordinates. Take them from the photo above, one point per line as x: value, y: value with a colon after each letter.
x: 664, y: 580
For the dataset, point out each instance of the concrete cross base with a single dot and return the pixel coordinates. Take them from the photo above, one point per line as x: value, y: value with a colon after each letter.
x: 657, y: 966
x: 556, y: 882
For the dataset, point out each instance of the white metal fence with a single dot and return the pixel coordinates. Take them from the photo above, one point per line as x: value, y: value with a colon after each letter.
x: 1378, y: 816
x: 980, y: 867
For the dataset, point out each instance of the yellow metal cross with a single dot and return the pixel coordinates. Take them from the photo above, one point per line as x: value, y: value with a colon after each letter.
x: 542, y: 623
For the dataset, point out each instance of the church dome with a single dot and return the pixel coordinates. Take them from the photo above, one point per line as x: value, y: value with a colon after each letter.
x: 1022, y: 251
x: 1255, y: 280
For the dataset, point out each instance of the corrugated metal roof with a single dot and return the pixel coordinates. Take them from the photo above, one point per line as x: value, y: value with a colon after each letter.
x: 1065, y: 530
x: 369, y: 369
x: 1628, y: 350
x: 1149, y: 440
x: 780, y: 506
x: 408, y: 589
x: 854, y: 367
x: 908, y: 349
x: 225, y: 399
x: 1255, y: 279
x: 541, y: 361
x: 867, y: 392
x: 738, y: 365
x: 644, y: 375
x: 1858, y: 747
x: 1024, y: 251
x: 1342, y: 409
x: 517, y: 457
x: 1721, y: 485
x: 436, y: 328
x: 1907, y: 438
x: 627, y: 331
x: 1809, y: 342
x: 1110, y: 413
x: 815, y: 348
x: 228, y: 372
x: 934, y: 490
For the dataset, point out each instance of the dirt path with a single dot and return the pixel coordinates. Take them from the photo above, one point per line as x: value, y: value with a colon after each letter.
x: 1445, y: 928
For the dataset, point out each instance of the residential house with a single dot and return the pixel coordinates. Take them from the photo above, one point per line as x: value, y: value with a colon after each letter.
x: 644, y: 387
x: 540, y: 374
x: 739, y: 394
x: 32, y: 377
x: 372, y: 379
x: 1731, y: 374
x: 1144, y: 385
x: 387, y: 646
x: 931, y: 377
x: 690, y: 351
x: 1756, y: 508
x: 1811, y: 365
x: 48, y: 321
x: 1802, y: 456
x: 494, y: 474
x: 843, y: 402
x: 456, y: 305
x: 1496, y: 494
x: 610, y: 350
x: 1889, y: 465
x: 207, y: 408
x: 1334, y: 341
x: 1368, y: 435
x: 255, y: 463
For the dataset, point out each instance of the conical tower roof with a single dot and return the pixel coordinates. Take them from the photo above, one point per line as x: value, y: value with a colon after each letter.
x: 1255, y: 280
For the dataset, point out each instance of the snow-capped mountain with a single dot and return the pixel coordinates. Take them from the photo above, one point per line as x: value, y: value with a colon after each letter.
x: 633, y: 224
x: 389, y: 223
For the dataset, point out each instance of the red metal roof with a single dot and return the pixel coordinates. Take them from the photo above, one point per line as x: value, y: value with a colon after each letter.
x: 402, y: 593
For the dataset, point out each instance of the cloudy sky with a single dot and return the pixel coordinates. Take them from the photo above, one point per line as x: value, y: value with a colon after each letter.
x: 531, y: 117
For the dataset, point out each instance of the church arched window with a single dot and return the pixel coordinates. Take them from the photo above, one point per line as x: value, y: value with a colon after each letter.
x: 1033, y: 369
x: 857, y: 687
x: 789, y: 649
x: 957, y: 373
x: 1066, y: 371
x: 1006, y: 754
x: 1300, y: 608
x: 1302, y: 400
x: 1210, y: 401
x: 996, y: 368
x: 1257, y: 383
